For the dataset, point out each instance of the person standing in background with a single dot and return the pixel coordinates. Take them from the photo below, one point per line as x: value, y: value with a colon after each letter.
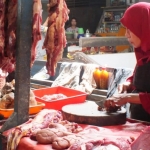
x: 73, y: 26
x: 44, y: 27
x: 41, y: 53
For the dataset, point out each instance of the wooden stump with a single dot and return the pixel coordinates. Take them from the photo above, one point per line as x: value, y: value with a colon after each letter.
x: 88, y: 113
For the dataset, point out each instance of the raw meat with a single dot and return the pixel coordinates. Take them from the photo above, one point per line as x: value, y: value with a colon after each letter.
x: 52, y: 134
x: 120, y: 138
x: 95, y: 138
x: 7, y: 96
x: 7, y: 101
x: 46, y: 136
x: 92, y: 138
x: 5, y: 63
x: 71, y: 126
x: 53, y: 97
x: 61, y: 129
x: 8, y: 24
x: 11, y: 23
x: 8, y: 57
x: 41, y: 121
x: 55, y: 39
x: 127, y: 131
x: 8, y: 87
x: 143, y: 141
x: 110, y: 109
x: 2, y: 32
x: 65, y: 142
x: 57, y: 126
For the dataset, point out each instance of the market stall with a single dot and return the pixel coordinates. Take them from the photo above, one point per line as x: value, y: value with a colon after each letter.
x: 108, y: 137
x: 54, y: 128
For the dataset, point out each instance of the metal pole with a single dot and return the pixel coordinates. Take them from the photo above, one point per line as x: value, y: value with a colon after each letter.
x: 22, y: 73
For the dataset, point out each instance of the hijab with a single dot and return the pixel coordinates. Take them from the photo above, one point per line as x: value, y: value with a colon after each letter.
x: 137, y: 19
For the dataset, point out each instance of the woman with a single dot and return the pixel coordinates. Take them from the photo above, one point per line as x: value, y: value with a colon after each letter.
x: 41, y: 53
x: 136, y: 20
x: 73, y: 27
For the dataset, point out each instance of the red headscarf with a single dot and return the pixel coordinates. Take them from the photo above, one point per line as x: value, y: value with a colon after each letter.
x: 137, y: 19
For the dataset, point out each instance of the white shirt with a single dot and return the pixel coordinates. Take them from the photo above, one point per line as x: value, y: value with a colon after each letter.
x: 70, y: 29
x: 41, y: 53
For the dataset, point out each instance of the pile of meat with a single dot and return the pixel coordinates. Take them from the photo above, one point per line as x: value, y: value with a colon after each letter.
x: 55, y: 39
x: 41, y: 121
x: 7, y: 96
x: 53, y: 97
x: 48, y: 127
x: 8, y: 24
x: 110, y: 109
x: 142, y: 142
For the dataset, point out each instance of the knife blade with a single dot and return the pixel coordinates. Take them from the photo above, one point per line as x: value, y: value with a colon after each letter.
x: 101, y: 103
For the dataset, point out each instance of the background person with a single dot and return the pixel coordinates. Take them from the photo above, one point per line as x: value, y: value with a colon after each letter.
x: 41, y: 53
x: 73, y: 26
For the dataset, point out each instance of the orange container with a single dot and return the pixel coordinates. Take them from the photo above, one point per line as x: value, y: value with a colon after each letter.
x: 6, y: 113
x: 73, y: 96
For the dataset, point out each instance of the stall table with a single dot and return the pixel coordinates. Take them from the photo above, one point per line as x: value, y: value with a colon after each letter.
x: 132, y: 128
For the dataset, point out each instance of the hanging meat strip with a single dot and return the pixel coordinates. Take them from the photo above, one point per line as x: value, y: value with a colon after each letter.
x: 8, y: 32
x: 2, y: 33
x: 55, y: 40
x: 4, y: 61
x: 10, y: 38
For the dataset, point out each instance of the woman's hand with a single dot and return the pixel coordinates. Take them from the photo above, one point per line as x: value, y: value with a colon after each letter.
x: 116, y: 100
x: 125, y: 87
x: 122, y: 99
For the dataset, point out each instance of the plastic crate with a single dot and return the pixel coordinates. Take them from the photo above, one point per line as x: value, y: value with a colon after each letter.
x: 73, y: 96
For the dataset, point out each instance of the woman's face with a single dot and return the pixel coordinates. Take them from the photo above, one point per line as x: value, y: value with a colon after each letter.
x: 73, y: 22
x: 132, y: 38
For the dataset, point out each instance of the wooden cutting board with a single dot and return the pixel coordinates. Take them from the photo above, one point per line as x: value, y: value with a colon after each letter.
x: 88, y: 113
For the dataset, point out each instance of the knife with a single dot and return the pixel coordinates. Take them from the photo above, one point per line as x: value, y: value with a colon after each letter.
x: 100, y: 104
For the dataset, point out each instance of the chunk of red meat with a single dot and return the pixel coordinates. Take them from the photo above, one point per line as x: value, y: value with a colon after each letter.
x: 55, y: 40
x: 143, y: 141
